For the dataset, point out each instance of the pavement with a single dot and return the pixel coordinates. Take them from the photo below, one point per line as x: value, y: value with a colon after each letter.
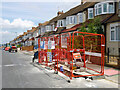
x: 18, y: 71
x: 27, y: 52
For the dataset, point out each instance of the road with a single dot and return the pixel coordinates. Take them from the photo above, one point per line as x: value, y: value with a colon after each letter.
x: 18, y: 72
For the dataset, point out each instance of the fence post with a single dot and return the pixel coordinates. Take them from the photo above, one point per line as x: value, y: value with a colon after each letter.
x: 119, y: 59
x: 39, y: 50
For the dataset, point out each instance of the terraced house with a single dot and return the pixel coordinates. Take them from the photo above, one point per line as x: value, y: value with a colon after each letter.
x: 82, y: 15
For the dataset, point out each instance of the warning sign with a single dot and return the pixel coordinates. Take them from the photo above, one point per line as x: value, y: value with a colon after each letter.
x: 49, y: 55
x: 76, y: 56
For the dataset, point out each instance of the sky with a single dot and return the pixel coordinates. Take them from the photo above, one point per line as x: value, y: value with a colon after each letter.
x: 18, y: 17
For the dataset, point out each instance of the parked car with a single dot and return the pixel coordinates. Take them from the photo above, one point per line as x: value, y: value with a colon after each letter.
x: 3, y: 48
x: 7, y: 48
x: 13, y: 48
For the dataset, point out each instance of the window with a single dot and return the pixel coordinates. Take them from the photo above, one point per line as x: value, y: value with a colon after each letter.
x: 71, y: 20
x: 90, y: 13
x: 96, y: 10
x: 115, y: 32
x: 112, y: 34
x: 48, y: 28
x: 80, y: 17
x: 104, y: 8
x: 67, y: 20
x: 53, y: 27
x: 99, y: 9
x: 61, y: 23
x: 119, y: 4
x: 111, y: 7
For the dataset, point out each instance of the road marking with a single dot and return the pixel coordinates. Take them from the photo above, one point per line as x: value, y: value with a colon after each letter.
x: 9, y: 65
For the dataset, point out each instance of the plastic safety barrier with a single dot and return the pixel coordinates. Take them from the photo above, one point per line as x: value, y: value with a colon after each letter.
x: 79, y: 55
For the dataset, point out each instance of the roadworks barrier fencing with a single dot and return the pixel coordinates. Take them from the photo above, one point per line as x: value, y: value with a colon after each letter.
x: 79, y: 54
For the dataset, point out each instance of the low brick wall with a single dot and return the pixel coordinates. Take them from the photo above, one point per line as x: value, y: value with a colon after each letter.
x: 28, y: 48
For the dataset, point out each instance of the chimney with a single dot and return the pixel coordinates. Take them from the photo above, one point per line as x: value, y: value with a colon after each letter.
x: 40, y: 24
x: 28, y: 30
x: 59, y: 13
x: 33, y: 27
x: 83, y: 1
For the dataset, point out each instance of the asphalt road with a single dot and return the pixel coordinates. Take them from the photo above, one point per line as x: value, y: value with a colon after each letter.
x: 18, y: 72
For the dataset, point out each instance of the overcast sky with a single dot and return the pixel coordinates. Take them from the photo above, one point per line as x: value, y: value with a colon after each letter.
x: 22, y: 16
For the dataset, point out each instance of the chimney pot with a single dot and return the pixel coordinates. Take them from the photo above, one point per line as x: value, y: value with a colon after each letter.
x: 59, y: 13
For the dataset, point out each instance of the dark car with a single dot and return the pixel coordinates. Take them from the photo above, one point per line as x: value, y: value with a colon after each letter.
x: 13, y: 48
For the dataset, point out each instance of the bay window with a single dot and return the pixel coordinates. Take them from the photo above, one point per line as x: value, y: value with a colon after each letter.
x: 90, y: 13
x: 104, y: 8
x: 71, y: 20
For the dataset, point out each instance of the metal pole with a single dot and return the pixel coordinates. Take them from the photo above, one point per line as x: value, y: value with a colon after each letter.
x: 108, y: 55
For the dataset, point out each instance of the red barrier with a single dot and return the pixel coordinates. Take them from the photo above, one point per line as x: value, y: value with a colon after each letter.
x: 91, y: 47
x: 77, y: 56
x: 63, y: 64
x: 52, y: 52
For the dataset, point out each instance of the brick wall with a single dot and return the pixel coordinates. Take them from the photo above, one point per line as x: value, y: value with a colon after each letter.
x: 28, y: 48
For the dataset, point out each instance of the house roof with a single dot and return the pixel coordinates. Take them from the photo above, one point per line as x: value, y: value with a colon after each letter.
x: 45, y: 23
x: 24, y: 33
x: 48, y: 33
x: 38, y: 36
x: 113, y: 18
x: 76, y: 9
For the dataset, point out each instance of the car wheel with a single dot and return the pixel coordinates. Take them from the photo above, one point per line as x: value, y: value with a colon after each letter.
x: 9, y: 50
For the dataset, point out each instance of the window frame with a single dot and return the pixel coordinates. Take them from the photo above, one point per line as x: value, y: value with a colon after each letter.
x: 71, y: 20
x: 80, y: 15
x: 61, y: 23
x: 102, y: 8
x: 114, y: 25
x: 90, y: 12
x: 48, y: 28
x: 119, y: 4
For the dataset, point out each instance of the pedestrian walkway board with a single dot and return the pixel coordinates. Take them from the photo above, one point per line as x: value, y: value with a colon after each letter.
x: 110, y: 72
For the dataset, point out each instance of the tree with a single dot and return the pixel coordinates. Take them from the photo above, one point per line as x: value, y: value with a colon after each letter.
x: 93, y: 27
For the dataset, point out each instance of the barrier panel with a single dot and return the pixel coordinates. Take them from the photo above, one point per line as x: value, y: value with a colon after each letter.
x: 63, y: 64
x: 88, y: 54
x: 43, y: 42
x: 52, y: 52
x: 79, y: 55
